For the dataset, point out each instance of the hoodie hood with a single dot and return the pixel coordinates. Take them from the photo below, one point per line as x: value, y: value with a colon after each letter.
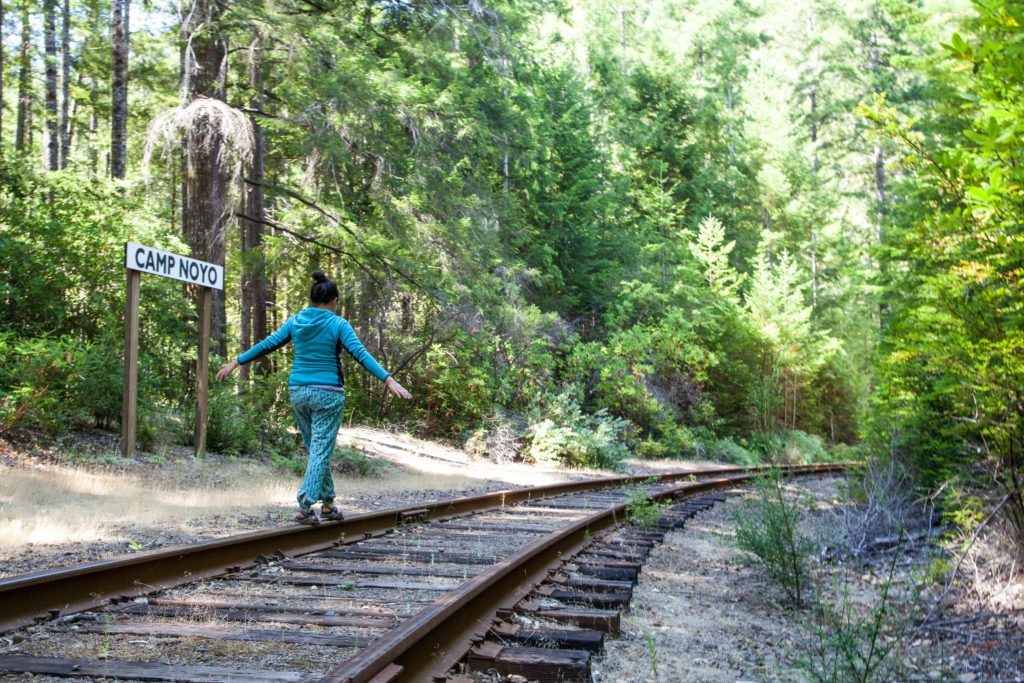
x: 311, y: 323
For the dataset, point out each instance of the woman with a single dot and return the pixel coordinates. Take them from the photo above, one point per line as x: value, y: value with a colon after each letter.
x: 316, y: 387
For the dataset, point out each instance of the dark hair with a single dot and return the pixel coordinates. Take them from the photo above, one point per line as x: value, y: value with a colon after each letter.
x: 323, y: 291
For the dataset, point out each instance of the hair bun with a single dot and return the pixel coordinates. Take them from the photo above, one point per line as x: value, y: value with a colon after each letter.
x: 319, y: 276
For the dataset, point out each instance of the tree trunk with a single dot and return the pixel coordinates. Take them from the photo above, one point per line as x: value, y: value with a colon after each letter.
x: 256, y: 207
x: 120, y: 40
x: 880, y: 177
x: 206, y: 181
x: 814, y: 130
x: 24, y: 80
x: 89, y: 48
x: 728, y: 124
x: 876, y: 66
x: 50, y: 48
x: 1, y: 77
x: 254, y: 317
x: 94, y: 96
x: 65, y: 102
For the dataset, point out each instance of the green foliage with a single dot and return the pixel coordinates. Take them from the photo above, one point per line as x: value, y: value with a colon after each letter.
x: 643, y: 510
x: 353, y: 462
x: 849, y: 644
x: 789, y: 447
x: 729, y: 451
x: 639, y: 203
x: 99, y: 381
x: 35, y: 373
x: 231, y: 428
x: 293, y: 463
x: 768, y: 527
x: 949, y: 400
x: 565, y: 434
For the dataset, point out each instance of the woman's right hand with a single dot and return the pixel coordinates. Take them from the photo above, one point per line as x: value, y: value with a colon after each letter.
x: 223, y: 373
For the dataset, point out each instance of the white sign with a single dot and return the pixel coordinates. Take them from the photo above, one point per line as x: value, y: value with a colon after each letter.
x: 150, y: 260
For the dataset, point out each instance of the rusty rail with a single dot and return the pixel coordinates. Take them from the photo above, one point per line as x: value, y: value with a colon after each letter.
x: 430, y: 643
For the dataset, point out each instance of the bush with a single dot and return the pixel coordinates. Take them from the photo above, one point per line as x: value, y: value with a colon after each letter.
x: 99, y: 383
x: 767, y: 528
x: 643, y: 511
x: 458, y: 387
x: 857, y: 646
x: 353, y: 462
x: 804, y: 448
x: 676, y: 441
x: 730, y: 451
x: 790, y: 447
x: 294, y: 463
x: 232, y: 426
x: 500, y: 438
x: 34, y: 375
x: 568, y: 436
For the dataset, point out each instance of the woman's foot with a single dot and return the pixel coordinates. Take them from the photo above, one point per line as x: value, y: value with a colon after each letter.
x: 329, y: 511
x: 306, y: 516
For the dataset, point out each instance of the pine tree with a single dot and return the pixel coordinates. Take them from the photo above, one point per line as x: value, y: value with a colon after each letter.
x: 120, y: 38
x: 50, y: 64
x: 22, y: 133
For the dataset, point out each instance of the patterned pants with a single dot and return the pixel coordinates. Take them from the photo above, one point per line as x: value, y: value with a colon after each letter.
x: 318, y: 415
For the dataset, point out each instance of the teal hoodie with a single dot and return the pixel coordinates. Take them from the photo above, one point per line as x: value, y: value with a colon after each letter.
x: 319, y: 336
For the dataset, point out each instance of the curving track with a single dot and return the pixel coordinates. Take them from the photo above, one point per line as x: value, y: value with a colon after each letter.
x: 520, y: 581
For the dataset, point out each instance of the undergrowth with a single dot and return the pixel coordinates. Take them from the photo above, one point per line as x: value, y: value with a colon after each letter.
x: 847, y: 641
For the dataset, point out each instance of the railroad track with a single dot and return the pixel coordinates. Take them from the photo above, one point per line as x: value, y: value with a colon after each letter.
x: 524, y: 581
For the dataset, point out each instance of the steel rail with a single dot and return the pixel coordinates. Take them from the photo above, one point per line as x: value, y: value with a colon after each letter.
x: 48, y: 594
x: 431, y: 642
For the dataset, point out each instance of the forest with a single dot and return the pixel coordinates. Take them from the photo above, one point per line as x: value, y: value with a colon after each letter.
x: 750, y: 231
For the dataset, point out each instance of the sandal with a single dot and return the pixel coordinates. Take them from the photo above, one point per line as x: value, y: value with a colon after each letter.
x: 330, y: 512
x: 306, y: 516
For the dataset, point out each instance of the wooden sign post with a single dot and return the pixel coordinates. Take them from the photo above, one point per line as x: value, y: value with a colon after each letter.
x: 140, y: 259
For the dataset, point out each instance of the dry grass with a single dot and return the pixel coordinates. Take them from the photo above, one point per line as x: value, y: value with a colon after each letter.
x: 60, y: 505
x: 992, y: 569
x: 54, y: 504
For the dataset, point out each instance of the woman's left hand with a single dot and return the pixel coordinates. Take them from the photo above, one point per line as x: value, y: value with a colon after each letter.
x: 228, y: 368
x: 397, y: 389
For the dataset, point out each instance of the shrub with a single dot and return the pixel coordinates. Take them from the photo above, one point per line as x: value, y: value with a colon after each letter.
x: 642, y: 510
x: 568, y: 436
x: 790, y: 447
x: 457, y: 385
x: 767, y: 527
x: 99, y: 383
x: 294, y: 463
x: 803, y: 447
x: 676, y: 441
x: 34, y: 374
x: 730, y: 451
x: 500, y: 438
x: 351, y: 461
x: 852, y: 645
x: 232, y: 426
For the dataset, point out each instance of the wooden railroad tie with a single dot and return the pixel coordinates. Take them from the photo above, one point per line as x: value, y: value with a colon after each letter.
x: 532, y: 662
x: 145, y: 671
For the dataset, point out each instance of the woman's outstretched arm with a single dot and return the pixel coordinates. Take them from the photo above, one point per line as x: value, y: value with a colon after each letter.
x: 355, y: 348
x: 276, y: 340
